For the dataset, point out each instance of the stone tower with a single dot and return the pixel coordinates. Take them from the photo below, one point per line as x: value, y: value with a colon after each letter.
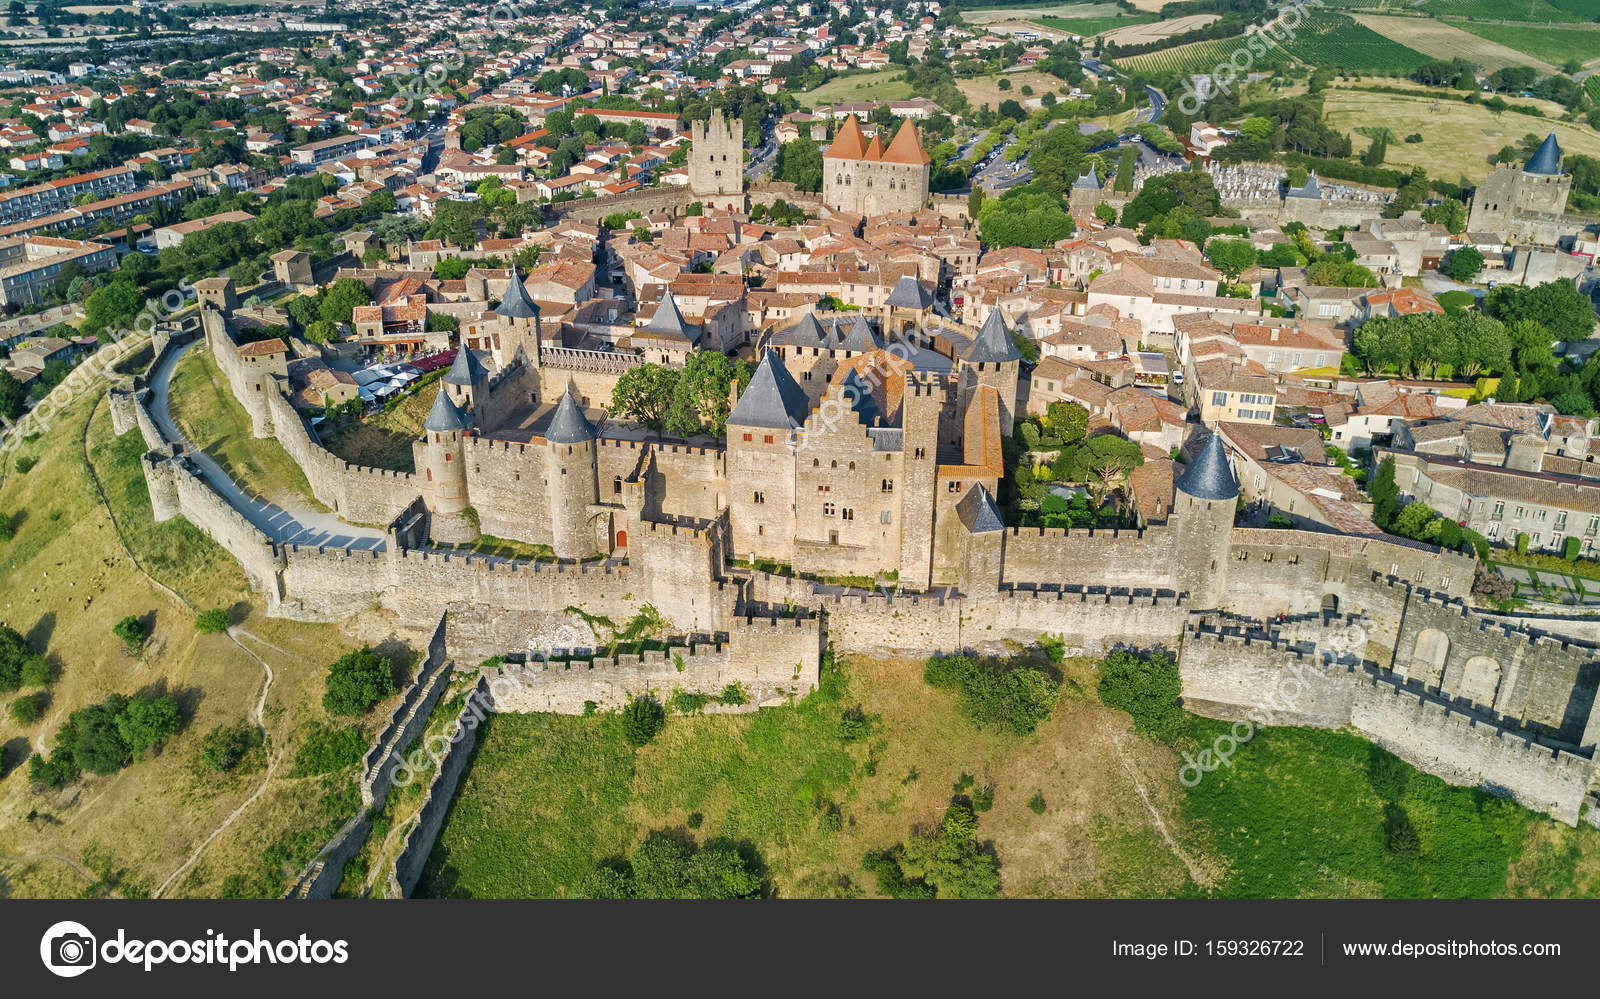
x: 921, y: 408
x: 467, y: 383
x: 571, y: 479
x: 521, y: 328
x: 716, y: 163
x: 1524, y: 205
x: 994, y: 360
x: 763, y: 447
x: 1201, y: 523
x: 445, y: 468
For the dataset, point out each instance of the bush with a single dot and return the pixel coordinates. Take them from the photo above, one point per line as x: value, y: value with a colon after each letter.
x: 8, y: 527
x: 642, y: 718
x: 1036, y: 804
x: 950, y: 861
x: 27, y: 709
x: 226, y: 745
x: 1522, y: 544
x: 212, y: 622
x: 19, y: 664
x: 25, y: 464
x: 357, y: 680
x: 1145, y: 687
x: 53, y: 772
x: 1570, y: 549
x: 735, y: 694
x: 328, y: 749
x: 1008, y: 696
x: 983, y: 798
x: 668, y: 866
x: 132, y: 631
x: 1054, y: 647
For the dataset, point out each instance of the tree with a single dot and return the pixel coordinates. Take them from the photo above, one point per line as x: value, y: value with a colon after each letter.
x: 975, y: 203
x: 1385, y: 494
x: 1463, y: 264
x: 342, y: 298
x: 13, y: 397
x: 147, y: 722
x: 701, y: 394
x: 1025, y: 216
x: 672, y: 866
x: 1105, y: 213
x: 212, y: 622
x: 1147, y: 688
x: 950, y: 860
x: 225, y: 746
x: 644, y: 395
x: 18, y: 662
x: 642, y: 718
x: 322, y: 331
x: 1558, y: 306
x: 132, y: 631
x: 27, y: 709
x: 1450, y: 213
x: 800, y: 163
x: 1231, y: 256
x: 356, y: 681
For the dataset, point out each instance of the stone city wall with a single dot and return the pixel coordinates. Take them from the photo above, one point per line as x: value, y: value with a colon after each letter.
x: 1103, y: 557
x: 406, y: 721
x: 462, y: 738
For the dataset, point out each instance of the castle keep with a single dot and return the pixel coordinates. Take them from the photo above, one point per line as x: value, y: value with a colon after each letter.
x: 716, y: 163
x: 1524, y: 205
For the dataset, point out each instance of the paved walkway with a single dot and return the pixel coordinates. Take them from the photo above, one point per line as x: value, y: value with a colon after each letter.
x: 293, y: 525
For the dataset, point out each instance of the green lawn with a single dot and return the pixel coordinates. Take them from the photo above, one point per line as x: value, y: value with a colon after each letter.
x: 1087, y: 26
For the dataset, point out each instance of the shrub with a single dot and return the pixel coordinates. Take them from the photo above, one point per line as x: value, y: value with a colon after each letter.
x: 642, y: 718
x: 132, y: 631
x: 685, y: 703
x: 1147, y: 687
x: 18, y: 662
x: 1522, y: 544
x: 1570, y: 549
x: 25, y: 464
x: 328, y: 749
x: 8, y: 527
x: 53, y: 772
x: 1054, y: 647
x: 1007, y: 696
x: 669, y: 866
x: 1036, y: 803
x: 734, y: 694
x: 27, y: 709
x: 950, y: 860
x: 226, y: 745
x: 983, y: 798
x: 212, y: 622
x: 356, y: 681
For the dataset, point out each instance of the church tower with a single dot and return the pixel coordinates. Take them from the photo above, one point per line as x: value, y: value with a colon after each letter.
x: 520, y: 325
x: 716, y: 163
x: 1202, y: 526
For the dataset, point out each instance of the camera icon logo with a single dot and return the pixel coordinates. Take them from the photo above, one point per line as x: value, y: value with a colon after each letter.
x: 68, y: 949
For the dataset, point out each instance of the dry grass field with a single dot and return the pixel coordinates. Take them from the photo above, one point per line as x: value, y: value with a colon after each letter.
x: 1446, y: 41
x: 1154, y: 31
x: 986, y: 89
x: 1457, y: 138
x: 882, y: 85
x: 993, y: 15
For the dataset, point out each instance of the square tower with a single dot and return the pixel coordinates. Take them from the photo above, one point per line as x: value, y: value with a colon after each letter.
x: 716, y: 163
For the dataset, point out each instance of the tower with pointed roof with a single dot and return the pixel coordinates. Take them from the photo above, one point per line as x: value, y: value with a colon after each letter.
x: 467, y: 383
x: 1205, y: 498
x: 871, y: 178
x: 716, y: 163
x: 1525, y: 204
x: 993, y: 359
x: 444, y: 469
x: 763, y: 448
x: 520, y: 327
x: 572, y: 480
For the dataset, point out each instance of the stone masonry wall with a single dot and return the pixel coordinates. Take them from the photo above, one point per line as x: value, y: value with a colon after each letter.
x: 463, y: 739
x: 1106, y: 558
x: 406, y: 721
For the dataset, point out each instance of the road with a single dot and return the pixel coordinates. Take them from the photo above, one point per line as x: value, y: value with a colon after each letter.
x: 300, y: 526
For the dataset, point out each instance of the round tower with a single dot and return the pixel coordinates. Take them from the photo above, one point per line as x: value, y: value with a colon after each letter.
x: 1201, y: 522
x: 446, y: 473
x: 571, y: 479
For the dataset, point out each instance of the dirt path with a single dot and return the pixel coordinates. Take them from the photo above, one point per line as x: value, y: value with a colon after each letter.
x: 1199, y: 876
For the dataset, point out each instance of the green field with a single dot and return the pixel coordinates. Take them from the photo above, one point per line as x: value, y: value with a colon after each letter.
x: 1094, y: 25
x: 881, y: 85
x: 1592, y: 85
x: 1553, y: 45
x: 1336, y: 41
x: 1196, y: 57
x: 1522, y: 10
x: 1297, y: 813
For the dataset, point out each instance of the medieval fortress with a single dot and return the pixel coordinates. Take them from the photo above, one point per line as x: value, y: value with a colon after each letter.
x: 869, y: 449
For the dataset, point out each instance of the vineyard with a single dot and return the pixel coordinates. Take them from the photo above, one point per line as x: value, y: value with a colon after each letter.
x: 1197, y: 57
x: 1553, y: 45
x: 1087, y: 26
x: 1536, y: 11
x: 1336, y: 41
x: 1592, y: 85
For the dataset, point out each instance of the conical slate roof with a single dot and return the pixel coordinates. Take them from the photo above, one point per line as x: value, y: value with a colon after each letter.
x: 909, y: 293
x: 1546, y: 159
x: 861, y: 337
x: 773, y: 400
x: 668, y: 321
x: 859, y: 396
x: 569, y: 425
x: 466, y: 370
x: 517, y: 304
x: 978, y: 512
x: 1311, y: 190
x: 993, y: 343
x: 808, y: 332
x: 444, y: 416
x: 1209, y: 476
x: 1089, y: 181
